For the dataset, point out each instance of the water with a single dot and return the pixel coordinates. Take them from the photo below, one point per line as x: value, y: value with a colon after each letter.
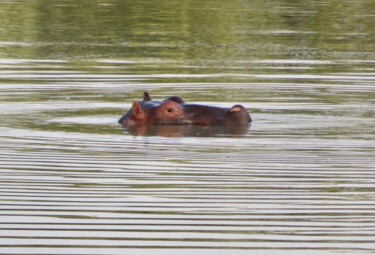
x: 301, y: 179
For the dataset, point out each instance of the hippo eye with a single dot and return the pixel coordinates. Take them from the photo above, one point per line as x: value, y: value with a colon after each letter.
x: 170, y: 110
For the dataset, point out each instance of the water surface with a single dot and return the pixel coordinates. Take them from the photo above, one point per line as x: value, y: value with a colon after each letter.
x: 301, y: 179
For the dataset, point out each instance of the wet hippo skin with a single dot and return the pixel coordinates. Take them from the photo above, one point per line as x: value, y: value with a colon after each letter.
x: 174, y: 111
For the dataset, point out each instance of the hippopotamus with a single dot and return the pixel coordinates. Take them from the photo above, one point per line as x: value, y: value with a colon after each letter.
x: 174, y: 111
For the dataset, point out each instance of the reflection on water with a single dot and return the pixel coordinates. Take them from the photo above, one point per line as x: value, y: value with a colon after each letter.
x: 73, y: 181
x: 187, y: 130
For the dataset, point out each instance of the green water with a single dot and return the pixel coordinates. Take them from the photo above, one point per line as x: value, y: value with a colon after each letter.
x: 188, y: 31
x: 300, y: 180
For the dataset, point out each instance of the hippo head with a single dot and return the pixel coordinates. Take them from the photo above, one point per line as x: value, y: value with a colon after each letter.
x: 167, y: 112
x: 174, y: 111
x: 238, y: 115
x: 148, y: 111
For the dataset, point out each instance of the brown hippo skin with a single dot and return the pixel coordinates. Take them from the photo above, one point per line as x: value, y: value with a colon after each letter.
x: 175, y: 111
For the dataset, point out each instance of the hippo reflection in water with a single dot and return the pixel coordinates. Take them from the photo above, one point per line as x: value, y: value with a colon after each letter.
x: 174, y: 111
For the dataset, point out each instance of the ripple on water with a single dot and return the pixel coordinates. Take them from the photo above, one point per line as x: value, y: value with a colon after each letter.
x: 74, y: 182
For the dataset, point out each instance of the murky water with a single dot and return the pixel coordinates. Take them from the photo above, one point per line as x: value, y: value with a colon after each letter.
x: 301, y: 179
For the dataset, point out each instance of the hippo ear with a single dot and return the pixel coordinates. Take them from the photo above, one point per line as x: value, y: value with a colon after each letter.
x: 138, y: 112
x: 176, y: 99
x: 236, y: 108
x: 146, y: 96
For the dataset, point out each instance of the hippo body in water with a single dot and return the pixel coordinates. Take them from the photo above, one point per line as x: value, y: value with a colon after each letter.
x: 174, y: 111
